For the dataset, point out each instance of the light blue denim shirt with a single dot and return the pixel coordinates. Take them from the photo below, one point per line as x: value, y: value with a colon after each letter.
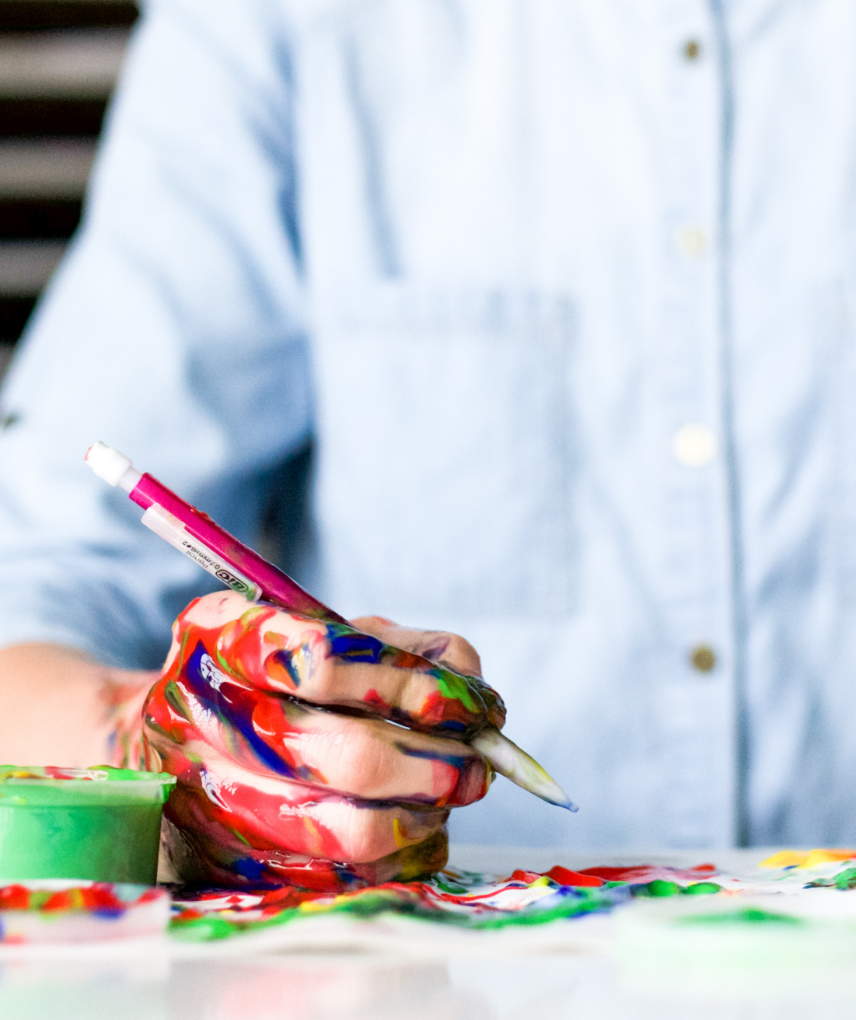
x: 563, y: 289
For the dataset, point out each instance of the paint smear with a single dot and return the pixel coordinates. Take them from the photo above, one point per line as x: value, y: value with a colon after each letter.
x: 806, y: 858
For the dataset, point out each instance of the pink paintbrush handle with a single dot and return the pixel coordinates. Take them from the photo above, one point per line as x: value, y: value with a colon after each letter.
x: 276, y: 585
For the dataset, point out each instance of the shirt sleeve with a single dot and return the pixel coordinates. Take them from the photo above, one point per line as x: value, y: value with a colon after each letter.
x: 172, y: 331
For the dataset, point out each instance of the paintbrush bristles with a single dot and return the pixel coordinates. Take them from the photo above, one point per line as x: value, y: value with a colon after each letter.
x: 506, y: 758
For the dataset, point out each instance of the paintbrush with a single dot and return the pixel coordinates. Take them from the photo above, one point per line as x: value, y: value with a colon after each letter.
x: 237, y: 566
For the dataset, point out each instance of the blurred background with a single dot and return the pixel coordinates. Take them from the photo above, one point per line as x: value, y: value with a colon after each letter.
x: 59, y: 60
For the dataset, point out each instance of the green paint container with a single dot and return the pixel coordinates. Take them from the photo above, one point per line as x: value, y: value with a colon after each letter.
x: 99, y: 823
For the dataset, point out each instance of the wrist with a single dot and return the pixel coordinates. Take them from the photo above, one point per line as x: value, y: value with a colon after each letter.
x: 124, y: 696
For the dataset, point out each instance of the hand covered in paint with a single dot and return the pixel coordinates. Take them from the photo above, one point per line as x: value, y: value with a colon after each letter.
x: 313, y: 753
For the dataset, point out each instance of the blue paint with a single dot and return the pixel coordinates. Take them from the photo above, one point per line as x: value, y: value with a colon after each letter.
x: 457, y: 761
x: 286, y: 659
x: 109, y: 913
x: 249, y: 867
x: 234, y: 706
x: 452, y: 726
x: 352, y: 646
x: 435, y: 651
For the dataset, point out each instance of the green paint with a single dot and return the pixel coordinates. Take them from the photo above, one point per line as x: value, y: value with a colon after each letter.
x: 844, y: 880
x: 223, y: 662
x: 241, y: 837
x: 746, y: 915
x: 106, y: 829
x: 701, y: 889
x: 175, y: 699
x: 211, y: 928
x: 449, y: 886
x: 659, y: 887
x: 373, y: 902
x: 456, y: 688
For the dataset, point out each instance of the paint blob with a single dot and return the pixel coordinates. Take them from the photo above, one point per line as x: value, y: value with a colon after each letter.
x: 64, y: 911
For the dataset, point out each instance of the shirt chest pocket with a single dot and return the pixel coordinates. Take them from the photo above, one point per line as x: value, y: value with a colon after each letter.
x: 446, y: 454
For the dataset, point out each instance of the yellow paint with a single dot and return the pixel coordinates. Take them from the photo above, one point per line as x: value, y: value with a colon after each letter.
x: 272, y: 637
x: 315, y: 836
x: 806, y: 858
x: 401, y: 837
x: 321, y: 905
x: 249, y: 616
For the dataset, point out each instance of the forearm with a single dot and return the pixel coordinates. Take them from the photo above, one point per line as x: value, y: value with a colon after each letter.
x: 60, y: 707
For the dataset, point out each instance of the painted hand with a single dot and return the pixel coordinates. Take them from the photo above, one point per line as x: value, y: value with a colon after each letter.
x: 313, y: 753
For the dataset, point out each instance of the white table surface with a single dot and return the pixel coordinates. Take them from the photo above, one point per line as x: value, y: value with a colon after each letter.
x: 411, y: 978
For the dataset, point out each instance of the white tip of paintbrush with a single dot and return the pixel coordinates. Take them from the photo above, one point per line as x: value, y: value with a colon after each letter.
x: 510, y: 761
x: 107, y: 463
x: 112, y: 466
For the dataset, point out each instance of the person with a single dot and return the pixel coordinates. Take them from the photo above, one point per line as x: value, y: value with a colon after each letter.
x: 528, y: 322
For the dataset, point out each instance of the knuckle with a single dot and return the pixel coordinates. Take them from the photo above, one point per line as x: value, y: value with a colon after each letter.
x: 461, y: 654
x: 372, y: 624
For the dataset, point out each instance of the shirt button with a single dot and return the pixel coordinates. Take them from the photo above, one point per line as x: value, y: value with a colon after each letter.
x: 691, y: 242
x: 703, y: 658
x: 692, y: 49
x: 694, y: 445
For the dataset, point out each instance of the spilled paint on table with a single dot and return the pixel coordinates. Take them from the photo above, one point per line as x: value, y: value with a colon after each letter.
x: 462, y: 898
x: 482, y: 902
x: 60, y: 911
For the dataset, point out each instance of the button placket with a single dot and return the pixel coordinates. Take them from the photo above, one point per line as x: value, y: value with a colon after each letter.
x: 694, y: 543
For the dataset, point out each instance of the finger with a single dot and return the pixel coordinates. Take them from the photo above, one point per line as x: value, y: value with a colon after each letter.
x: 358, y: 757
x: 439, y: 646
x: 220, y: 797
x: 204, y: 858
x: 371, y: 759
x: 327, y: 663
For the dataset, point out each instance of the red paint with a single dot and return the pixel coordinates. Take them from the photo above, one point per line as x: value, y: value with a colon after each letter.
x: 646, y: 872
x: 251, y: 794
x: 616, y: 874
x: 14, y: 897
x: 574, y: 878
x: 376, y: 703
x: 560, y: 875
x: 101, y: 897
x: 62, y: 900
